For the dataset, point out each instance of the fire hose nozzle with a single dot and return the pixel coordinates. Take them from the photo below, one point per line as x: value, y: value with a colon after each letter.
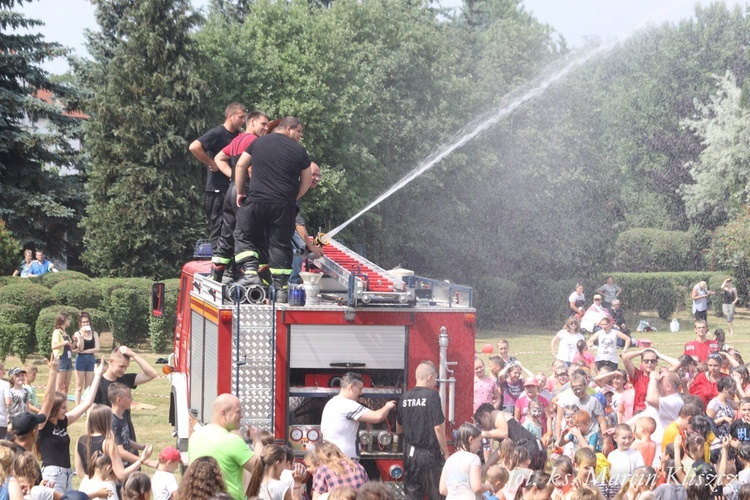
x: 321, y: 239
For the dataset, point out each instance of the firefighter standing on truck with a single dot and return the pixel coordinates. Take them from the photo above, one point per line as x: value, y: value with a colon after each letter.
x: 256, y: 126
x: 419, y: 416
x: 280, y: 176
x: 217, y: 181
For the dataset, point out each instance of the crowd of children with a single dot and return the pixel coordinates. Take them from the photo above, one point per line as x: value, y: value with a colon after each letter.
x: 635, y: 433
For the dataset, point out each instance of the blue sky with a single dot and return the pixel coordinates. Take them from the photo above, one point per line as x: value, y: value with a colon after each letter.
x: 65, y: 20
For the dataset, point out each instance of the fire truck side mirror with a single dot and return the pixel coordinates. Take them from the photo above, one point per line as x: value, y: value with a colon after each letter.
x: 157, y: 300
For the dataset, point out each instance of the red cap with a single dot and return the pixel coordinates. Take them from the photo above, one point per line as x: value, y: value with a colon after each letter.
x: 530, y: 381
x: 170, y: 453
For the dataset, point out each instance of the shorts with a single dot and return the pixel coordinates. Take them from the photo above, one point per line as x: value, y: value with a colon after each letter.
x: 66, y: 364
x: 85, y: 363
x: 60, y: 476
x: 728, y: 310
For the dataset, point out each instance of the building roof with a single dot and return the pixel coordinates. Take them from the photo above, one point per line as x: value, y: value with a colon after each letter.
x: 50, y: 98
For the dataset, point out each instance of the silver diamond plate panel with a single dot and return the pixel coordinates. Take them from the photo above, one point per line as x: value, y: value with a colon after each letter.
x: 254, y: 384
x: 397, y: 488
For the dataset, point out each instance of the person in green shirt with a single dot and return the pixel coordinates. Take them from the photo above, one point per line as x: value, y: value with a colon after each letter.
x: 218, y: 440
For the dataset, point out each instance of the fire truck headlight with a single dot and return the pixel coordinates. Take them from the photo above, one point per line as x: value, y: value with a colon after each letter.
x: 365, y: 438
x: 396, y: 472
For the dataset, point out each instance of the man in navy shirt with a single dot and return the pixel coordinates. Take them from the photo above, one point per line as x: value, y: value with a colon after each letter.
x: 205, y: 148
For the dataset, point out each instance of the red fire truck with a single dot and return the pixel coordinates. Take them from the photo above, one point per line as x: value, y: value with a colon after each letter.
x: 284, y: 361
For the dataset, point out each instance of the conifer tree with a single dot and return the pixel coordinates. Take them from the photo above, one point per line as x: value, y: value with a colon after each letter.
x: 40, y: 206
x: 144, y: 212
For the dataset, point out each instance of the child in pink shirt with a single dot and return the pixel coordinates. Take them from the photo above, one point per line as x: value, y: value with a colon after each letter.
x: 584, y: 356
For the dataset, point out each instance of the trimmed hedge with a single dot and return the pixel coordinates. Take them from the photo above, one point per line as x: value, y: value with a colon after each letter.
x: 109, y: 285
x: 15, y: 338
x: 45, y: 325
x: 51, y: 279
x: 11, y: 313
x: 100, y: 320
x: 82, y: 294
x: 656, y: 250
x: 129, y: 310
x: 32, y: 298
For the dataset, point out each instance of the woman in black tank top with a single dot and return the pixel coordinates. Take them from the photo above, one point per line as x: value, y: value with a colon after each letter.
x: 87, y: 341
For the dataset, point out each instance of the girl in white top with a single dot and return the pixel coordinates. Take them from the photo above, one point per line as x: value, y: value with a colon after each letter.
x: 265, y: 481
x: 564, y: 343
x: 461, y: 478
x: 100, y: 478
x: 607, y: 337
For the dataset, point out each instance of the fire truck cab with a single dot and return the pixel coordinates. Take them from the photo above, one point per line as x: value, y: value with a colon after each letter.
x: 285, y: 361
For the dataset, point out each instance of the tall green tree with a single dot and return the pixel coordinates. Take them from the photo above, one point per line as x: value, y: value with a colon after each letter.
x: 144, y: 213
x: 39, y: 205
x: 721, y: 179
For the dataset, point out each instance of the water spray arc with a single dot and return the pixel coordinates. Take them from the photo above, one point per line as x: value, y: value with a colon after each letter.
x: 510, y: 102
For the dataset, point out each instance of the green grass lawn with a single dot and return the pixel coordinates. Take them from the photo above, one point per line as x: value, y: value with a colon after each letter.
x: 530, y: 345
x: 151, y: 424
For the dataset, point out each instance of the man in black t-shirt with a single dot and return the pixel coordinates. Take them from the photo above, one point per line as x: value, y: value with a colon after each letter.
x: 265, y: 225
x: 119, y: 361
x: 419, y: 417
x: 256, y: 126
x: 217, y: 180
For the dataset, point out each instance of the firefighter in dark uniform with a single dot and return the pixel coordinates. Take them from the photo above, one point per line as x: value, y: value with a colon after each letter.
x: 256, y: 126
x: 217, y: 180
x: 419, y: 417
x: 265, y: 224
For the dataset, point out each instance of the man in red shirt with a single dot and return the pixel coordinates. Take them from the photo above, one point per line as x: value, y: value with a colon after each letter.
x: 700, y: 348
x: 639, y: 377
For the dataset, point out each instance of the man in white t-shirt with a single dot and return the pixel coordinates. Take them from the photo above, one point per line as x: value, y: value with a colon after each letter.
x: 664, y: 395
x: 342, y: 415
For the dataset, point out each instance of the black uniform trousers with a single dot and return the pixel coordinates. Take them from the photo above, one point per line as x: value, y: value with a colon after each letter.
x: 265, y: 228
x: 213, y: 206
x: 225, y: 246
x: 422, y: 469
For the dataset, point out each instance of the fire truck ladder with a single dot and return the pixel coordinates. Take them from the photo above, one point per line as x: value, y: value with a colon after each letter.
x: 366, y: 281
